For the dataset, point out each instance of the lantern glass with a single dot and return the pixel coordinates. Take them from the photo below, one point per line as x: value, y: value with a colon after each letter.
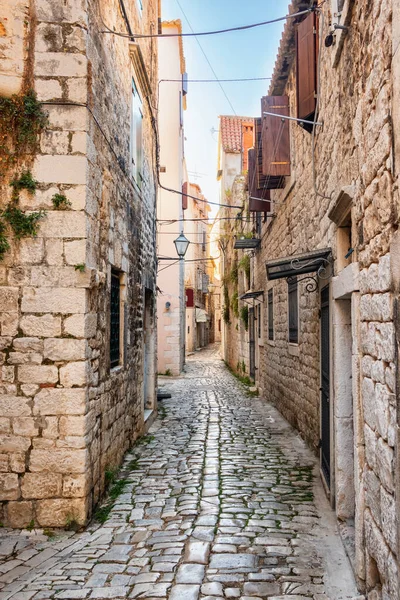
x: 181, y: 245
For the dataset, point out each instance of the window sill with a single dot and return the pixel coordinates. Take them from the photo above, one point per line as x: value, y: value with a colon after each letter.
x: 261, y: 342
x: 271, y: 342
x: 116, y: 370
x: 294, y: 349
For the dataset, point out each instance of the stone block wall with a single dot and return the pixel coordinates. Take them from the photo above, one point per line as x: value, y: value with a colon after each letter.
x: 65, y: 416
x: 236, y: 348
x: 354, y: 147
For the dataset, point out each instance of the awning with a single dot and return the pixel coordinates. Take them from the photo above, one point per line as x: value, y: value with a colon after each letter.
x: 247, y: 243
x: 201, y: 315
x: 299, y: 264
x: 253, y: 298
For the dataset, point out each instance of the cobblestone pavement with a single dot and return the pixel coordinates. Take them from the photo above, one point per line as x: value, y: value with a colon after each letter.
x: 220, y: 502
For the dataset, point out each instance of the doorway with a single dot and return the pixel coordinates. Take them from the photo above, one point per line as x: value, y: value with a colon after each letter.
x: 252, y: 343
x: 149, y: 383
x: 325, y: 388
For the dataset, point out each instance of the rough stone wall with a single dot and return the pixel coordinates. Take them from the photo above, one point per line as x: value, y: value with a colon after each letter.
x: 237, y: 345
x: 355, y: 146
x: 14, y: 33
x: 65, y: 416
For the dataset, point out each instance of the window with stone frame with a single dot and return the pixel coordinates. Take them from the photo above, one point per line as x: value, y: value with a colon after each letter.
x: 259, y: 321
x: 293, y: 310
x: 136, y: 136
x: 271, y: 314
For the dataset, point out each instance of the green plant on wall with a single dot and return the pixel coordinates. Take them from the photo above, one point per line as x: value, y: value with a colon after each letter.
x: 234, y: 273
x: 235, y: 304
x: 244, y: 315
x: 244, y: 264
x: 12, y: 218
x: 22, y: 119
x: 61, y: 202
x: 225, y: 310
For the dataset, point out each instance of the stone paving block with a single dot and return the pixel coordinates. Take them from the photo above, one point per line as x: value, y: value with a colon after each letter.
x: 197, y: 552
x: 190, y: 573
x: 184, y: 592
x: 232, y: 561
x: 72, y: 594
x: 110, y: 592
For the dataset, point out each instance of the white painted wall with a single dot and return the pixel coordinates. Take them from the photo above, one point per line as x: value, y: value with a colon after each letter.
x: 169, y: 206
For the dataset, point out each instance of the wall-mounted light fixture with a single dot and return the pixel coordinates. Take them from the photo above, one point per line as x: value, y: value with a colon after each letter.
x: 181, y: 245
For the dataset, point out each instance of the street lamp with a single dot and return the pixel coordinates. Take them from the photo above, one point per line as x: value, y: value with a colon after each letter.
x: 181, y: 245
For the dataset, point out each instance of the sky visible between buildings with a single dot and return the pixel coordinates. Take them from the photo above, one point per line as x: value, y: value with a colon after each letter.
x: 242, y: 54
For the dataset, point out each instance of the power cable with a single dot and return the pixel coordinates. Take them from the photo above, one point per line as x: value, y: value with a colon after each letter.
x: 203, y: 33
x: 215, y: 81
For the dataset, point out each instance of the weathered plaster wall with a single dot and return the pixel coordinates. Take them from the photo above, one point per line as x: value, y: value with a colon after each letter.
x: 65, y: 415
x: 170, y: 278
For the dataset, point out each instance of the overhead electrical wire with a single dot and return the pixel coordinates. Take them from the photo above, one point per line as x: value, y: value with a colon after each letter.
x: 204, y: 33
x: 215, y: 80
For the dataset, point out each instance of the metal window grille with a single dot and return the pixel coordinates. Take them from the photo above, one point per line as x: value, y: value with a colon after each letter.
x: 115, y: 319
x: 270, y: 314
x: 293, y: 310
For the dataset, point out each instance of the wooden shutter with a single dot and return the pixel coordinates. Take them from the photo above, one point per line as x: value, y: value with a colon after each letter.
x: 275, y: 138
x: 189, y: 298
x: 259, y: 200
x: 306, y: 62
x: 184, y: 196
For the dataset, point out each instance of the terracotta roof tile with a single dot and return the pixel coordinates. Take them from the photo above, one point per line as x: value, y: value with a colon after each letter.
x: 231, y: 132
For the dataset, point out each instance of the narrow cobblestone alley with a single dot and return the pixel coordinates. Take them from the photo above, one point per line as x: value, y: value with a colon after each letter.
x: 220, y: 502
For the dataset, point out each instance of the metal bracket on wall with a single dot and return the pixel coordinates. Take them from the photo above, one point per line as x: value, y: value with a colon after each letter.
x: 324, y: 272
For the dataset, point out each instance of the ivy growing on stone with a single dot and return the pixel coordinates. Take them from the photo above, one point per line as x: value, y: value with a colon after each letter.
x: 24, y: 182
x: 244, y: 315
x: 22, y: 224
x: 61, y: 202
x: 22, y: 119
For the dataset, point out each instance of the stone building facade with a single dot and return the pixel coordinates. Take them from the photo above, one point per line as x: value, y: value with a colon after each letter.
x: 236, y: 137
x: 77, y: 308
x: 329, y: 353
x: 198, y: 274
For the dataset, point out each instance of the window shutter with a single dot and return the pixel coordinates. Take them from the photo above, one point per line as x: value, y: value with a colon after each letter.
x: 259, y: 200
x: 189, y: 298
x: 275, y: 138
x: 184, y: 196
x: 306, y: 63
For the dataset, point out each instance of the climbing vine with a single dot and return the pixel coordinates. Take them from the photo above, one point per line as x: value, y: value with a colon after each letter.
x: 244, y: 315
x: 22, y: 119
x: 61, y: 202
x: 15, y: 220
x: 226, y: 310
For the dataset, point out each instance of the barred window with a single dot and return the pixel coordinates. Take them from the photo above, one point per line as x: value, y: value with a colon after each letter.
x: 270, y: 314
x: 115, y: 319
x: 293, y: 310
